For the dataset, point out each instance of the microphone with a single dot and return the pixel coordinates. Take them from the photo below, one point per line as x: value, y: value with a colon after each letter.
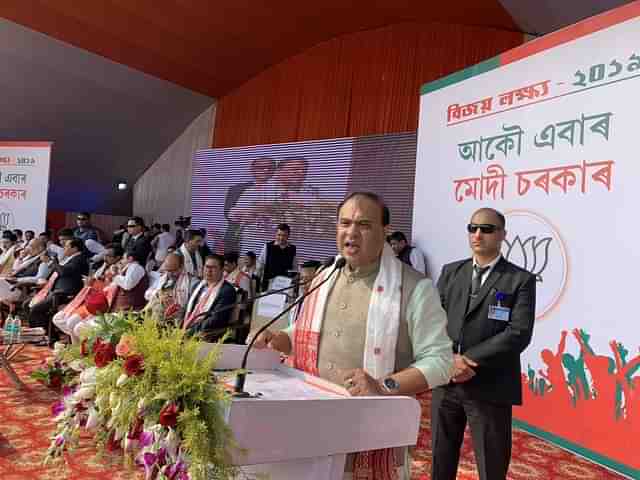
x: 241, y: 378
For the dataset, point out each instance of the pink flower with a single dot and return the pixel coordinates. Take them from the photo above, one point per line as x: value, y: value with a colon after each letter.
x: 126, y: 346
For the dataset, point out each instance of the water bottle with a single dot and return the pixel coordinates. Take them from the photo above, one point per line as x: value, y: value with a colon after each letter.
x: 6, y: 331
x: 9, y: 330
x: 17, y: 329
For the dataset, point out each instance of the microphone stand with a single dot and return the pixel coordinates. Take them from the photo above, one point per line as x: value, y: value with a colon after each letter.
x: 241, y: 378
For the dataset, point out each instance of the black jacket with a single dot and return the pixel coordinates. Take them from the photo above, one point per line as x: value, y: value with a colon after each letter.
x: 495, y: 345
x: 222, y: 316
x: 69, y: 281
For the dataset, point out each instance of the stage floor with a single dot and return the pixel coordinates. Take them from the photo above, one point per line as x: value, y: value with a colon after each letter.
x: 26, y: 423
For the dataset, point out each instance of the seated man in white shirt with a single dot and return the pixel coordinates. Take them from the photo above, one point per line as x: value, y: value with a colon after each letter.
x: 125, y: 292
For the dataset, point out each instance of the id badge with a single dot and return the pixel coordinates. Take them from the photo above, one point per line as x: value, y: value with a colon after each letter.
x: 499, y: 313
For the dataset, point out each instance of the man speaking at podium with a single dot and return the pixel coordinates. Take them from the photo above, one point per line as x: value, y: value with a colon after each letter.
x: 376, y: 326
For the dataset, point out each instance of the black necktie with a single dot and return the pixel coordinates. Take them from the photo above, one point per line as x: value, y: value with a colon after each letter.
x: 476, y: 281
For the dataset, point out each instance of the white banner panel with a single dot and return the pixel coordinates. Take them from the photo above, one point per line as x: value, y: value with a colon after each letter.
x: 548, y: 134
x: 24, y: 185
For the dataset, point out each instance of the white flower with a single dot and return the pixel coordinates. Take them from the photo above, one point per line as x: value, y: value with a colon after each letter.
x: 172, y: 443
x: 58, y: 348
x: 142, y: 403
x: 122, y: 379
x: 119, y: 434
x: 85, y: 393
x: 88, y: 375
x: 93, y: 419
x: 77, y: 365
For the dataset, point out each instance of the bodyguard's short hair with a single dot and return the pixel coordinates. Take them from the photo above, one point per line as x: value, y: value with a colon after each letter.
x: 251, y: 254
x: 386, y: 214
x: 284, y: 227
x: 139, y: 221
x: 501, y: 220
x: 65, y: 232
x: 398, y: 237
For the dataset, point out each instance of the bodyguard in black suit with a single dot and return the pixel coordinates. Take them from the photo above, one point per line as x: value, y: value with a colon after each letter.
x: 490, y: 305
x: 139, y: 246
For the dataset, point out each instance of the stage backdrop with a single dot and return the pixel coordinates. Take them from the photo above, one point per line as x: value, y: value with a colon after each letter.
x: 548, y: 134
x: 24, y: 185
x: 240, y: 194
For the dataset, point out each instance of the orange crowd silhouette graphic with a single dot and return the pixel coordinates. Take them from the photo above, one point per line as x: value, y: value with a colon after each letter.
x: 592, y: 400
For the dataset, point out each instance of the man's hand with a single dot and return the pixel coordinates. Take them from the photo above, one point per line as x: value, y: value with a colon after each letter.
x: 463, y: 369
x: 360, y: 384
x: 263, y: 339
x: 278, y: 341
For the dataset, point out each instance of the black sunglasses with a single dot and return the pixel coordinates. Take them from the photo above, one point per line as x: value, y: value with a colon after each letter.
x: 131, y: 225
x: 484, y: 228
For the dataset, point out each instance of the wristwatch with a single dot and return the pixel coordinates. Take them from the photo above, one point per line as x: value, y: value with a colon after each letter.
x: 390, y: 385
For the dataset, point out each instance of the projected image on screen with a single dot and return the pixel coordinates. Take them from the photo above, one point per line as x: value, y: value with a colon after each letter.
x: 241, y: 194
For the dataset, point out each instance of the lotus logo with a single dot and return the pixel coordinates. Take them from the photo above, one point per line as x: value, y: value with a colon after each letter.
x: 534, y: 244
x: 531, y: 254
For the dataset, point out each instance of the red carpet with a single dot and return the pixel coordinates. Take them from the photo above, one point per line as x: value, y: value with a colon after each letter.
x: 25, y: 426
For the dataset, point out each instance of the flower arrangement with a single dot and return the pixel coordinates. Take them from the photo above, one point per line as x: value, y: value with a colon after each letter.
x: 148, y: 391
x: 56, y: 372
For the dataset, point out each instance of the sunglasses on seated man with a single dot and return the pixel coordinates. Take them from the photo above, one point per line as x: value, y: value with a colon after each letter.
x: 486, y: 228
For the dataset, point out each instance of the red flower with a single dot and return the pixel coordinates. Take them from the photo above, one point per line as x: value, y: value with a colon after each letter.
x: 96, y: 344
x: 112, y: 443
x: 55, y: 380
x: 84, y: 348
x: 105, y: 353
x: 169, y: 415
x: 134, y: 365
x: 136, y: 428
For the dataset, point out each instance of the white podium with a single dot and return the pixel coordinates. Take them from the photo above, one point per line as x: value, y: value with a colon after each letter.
x: 302, y: 427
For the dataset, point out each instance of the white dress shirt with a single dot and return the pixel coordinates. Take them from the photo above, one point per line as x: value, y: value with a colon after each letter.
x: 135, y: 272
x: 486, y: 274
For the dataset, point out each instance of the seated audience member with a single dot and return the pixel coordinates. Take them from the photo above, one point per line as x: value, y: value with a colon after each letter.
x: 129, y: 284
x: 249, y: 261
x: 412, y: 256
x: 84, y: 230
x: 45, y: 237
x: 212, y: 295
x: 9, y: 247
x: 28, y: 236
x: 57, y: 250
x: 79, y: 309
x: 233, y: 274
x: 30, y: 272
x: 168, y: 298
x: 307, y: 272
x: 190, y: 250
x: 124, y: 293
x: 65, y: 281
x: 19, y: 236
